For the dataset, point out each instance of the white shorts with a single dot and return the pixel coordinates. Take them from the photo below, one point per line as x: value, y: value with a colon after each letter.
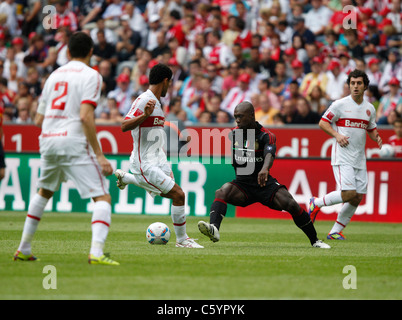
x: 83, y: 170
x: 155, y: 180
x: 349, y: 178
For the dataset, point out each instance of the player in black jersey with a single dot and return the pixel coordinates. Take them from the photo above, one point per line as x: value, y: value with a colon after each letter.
x: 254, y: 151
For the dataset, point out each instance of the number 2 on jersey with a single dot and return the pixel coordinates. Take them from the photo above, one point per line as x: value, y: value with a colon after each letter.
x: 61, y: 87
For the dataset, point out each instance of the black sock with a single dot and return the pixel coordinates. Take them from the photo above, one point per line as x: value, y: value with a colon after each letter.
x: 217, y: 212
x: 304, y: 222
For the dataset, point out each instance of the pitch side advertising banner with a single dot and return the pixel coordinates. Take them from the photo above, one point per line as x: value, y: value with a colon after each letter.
x: 304, y: 142
x: 199, y: 179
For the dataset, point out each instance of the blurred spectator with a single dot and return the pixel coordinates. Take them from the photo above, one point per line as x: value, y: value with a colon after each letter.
x: 393, y: 68
x: 216, y: 52
x: 278, y: 81
x: 396, y: 139
x: 205, y: 117
x: 223, y: 117
x: 354, y: 47
x: 122, y: 93
x: 374, y: 74
x: 62, y: 36
x: 317, y: 100
x: 113, y: 13
x: 128, y: 40
x: 105, y: 69
x: 237, y: 94
x: 109, y: 34
x: 64, y: 17
x: 317, y: 18
x: 337, y: 20
x: 90, y: 12
x: 238, y: 56
x: 300, y: 29
x: 265, y: 113
x: 23, y: 109
x: 315, y: 77
x: 264, y: 88
x: 288, y: 111
x: 336, y: 80
x: 104, y: 50
x: 38, y: 50
x: 175, y: 29
x: 8, y: 8
x: 304, y: 114
x: 390, y: 101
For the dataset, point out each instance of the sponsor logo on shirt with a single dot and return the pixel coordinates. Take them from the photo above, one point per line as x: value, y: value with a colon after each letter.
x: 353, y: 123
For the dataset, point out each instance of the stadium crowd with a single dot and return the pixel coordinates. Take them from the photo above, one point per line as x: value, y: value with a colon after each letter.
x: 290, y: 58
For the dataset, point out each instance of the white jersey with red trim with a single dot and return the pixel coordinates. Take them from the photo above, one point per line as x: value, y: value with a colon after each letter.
x: 351, y: 120
x: 65, y: 90
x: 149, y: 138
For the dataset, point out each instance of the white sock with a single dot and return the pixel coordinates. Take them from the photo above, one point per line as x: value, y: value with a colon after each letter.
x: 101, y: 220
x: 35, y: 212
x: 344, y: 217
x: 329, y: 199
x: 129, y: 178
x: 179, y: 223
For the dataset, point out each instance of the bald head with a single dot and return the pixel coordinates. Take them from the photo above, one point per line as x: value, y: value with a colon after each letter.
x: 245, y: 107
x: 244, y: 115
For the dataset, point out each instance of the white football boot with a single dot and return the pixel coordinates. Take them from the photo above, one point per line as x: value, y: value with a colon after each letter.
x: 209, y: 230
x: 188, y: 243
x: 321, y: 245
x: 119, y: 175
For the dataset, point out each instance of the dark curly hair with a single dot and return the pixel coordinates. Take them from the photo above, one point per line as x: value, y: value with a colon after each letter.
x: 79, y: 45
x: 356, y: 74
x: 159, y: 73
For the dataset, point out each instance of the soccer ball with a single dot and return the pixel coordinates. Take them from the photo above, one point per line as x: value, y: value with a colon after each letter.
x: 387, y: 151
x: 158, y: 233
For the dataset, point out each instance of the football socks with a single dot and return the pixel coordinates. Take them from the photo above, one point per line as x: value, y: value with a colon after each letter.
x: 217, y: 212
x: 35, y: 212
x: 179, y: 222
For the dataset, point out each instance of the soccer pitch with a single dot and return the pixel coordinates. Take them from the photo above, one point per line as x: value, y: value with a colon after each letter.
x: 255, y: 259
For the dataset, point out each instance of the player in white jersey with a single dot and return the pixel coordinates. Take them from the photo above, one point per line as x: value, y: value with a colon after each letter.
x: 149, y: 167
x: 69, y: 147
x: 347, y: 120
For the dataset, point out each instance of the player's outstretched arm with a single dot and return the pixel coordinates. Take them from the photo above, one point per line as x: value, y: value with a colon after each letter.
x: 88, y: 124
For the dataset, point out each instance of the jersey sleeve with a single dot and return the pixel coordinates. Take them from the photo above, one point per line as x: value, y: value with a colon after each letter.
x: 136, y: 109
x: 92, y: 90
x: 372, y: 123
x: 269, y: 144
x: 331, y: 114
x: 42, y: 102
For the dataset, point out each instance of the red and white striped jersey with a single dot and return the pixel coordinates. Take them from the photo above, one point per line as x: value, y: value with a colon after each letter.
x: 149, y: 138
x: 65, y: 90
x: 233, y: 98
x: 351, y: 120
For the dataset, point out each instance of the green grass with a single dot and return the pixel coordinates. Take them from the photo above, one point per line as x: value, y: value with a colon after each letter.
x: 255, y: 259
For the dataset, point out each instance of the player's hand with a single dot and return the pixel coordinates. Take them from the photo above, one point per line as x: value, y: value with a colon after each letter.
x: 379, y: 141
x: 149, y: 107
x: 106, y: 167
x: 263, y: 177
x: 342, y: 140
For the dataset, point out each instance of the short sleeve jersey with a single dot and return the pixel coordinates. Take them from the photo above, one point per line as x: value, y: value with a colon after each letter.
x: 65, y: 90
x: 149, y: 138
x: 351, y: 120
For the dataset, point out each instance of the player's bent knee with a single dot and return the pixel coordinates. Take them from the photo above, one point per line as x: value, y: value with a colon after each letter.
x: 105, y: 197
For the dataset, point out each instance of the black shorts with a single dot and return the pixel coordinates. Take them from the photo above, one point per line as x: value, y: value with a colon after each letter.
x: 255, y: 193
x: 2, y: 162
